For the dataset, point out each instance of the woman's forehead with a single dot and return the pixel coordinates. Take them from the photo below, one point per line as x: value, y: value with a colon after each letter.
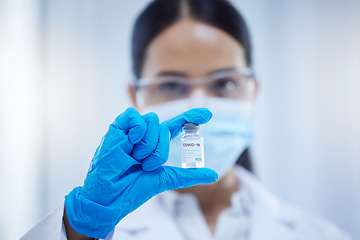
x: 194, y: 48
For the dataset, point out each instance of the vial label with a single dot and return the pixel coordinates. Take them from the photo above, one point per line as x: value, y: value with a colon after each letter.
x: 193, y: 153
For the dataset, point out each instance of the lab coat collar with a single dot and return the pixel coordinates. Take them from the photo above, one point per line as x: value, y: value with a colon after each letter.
x: 270, y: 215
x: 263, y: 198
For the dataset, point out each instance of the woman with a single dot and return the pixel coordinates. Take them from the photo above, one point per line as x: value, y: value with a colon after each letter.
x: 186, y: 54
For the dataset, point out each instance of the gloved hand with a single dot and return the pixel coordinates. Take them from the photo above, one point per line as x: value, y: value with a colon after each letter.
x: 127, y: 170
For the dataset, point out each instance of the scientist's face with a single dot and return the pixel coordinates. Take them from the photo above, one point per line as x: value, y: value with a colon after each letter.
x: 190, y: 57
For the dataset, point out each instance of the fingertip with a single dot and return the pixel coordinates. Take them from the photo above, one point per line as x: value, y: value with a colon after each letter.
x: 207, y: 114
x: 130, y: 109
x: 153, y: 116
x: 198, y: 115
x: 214, y: 175
x: 209, y: 174
x: 195, y: 115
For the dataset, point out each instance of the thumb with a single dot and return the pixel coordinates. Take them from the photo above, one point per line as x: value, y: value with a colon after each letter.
x: 195, y: 115
x: 174, y: 177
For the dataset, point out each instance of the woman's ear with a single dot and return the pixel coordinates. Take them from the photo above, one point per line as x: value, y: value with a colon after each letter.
x: 132, y: 94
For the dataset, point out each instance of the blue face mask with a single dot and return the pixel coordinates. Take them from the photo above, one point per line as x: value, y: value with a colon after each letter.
x: 226, y: 135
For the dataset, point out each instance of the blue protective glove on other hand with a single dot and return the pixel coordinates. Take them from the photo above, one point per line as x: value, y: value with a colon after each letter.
x: 127, y: 170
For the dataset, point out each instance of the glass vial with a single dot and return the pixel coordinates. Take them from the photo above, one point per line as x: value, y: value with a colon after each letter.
x: 192, y: 146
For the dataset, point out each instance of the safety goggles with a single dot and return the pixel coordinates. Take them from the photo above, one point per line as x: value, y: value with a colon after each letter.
x: 232, y: 84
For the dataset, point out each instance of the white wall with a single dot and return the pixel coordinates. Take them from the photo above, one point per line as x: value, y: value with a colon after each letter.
x: 307, y: 56
x: 21, y: 119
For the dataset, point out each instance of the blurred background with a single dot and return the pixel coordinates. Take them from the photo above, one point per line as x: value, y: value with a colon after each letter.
x: 65, y: 65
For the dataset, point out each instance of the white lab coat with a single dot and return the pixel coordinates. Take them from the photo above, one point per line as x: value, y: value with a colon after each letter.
x: 270, y: 219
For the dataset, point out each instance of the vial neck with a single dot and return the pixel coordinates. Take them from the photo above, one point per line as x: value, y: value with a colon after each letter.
x: 192, y: 132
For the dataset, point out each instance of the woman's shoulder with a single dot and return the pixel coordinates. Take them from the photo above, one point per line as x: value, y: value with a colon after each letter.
x: 285, y: 216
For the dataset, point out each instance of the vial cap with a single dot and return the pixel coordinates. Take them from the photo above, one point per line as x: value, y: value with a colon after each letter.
x: 190, y: 126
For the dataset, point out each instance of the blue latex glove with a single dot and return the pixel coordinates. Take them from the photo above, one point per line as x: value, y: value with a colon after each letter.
x: 127, y: 170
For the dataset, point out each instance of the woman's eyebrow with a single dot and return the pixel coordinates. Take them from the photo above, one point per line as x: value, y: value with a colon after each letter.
x: 224, y: 70
x: 182, y: 74
x: 171, y: 73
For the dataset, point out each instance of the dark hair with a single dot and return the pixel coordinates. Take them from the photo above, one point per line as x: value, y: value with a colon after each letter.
x: 161, y: 14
